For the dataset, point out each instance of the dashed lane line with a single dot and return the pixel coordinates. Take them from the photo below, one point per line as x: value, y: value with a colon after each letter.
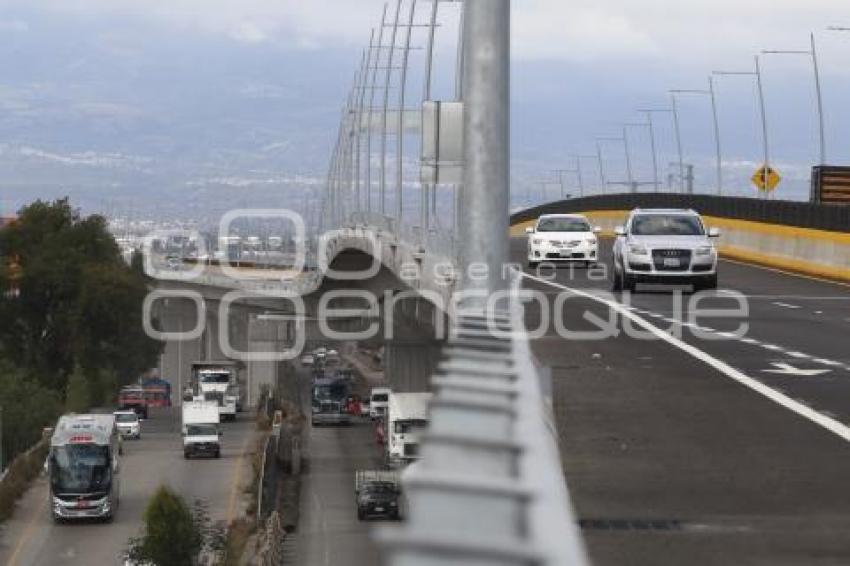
x: 830, y: 424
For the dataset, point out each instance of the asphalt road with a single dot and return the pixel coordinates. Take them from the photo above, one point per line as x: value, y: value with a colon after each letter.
x: 31, y: 538
x: 329, y: 533
x: 710, y: 448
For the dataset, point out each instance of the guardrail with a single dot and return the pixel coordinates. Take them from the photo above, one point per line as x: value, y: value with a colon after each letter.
x: 489, y: 488
x: 789, y: 213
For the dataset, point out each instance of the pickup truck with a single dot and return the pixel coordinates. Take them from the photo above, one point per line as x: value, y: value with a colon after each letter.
x: 378, y: 494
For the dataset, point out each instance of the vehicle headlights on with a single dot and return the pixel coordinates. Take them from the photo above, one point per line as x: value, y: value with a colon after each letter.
x: 637, y: 249
x: 704, y: 251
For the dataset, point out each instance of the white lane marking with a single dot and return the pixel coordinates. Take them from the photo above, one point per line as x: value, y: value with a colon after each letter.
x: 781, y: 368
x: 832, y: 425
x: 786, y: 305
x: 799, y: 355
x: 773, y: 347
x: 750, y: 341
x: 831, y: 363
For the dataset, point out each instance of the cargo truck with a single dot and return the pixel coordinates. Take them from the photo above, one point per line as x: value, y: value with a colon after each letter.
x: 201, y: 432
x: 218, y: 382
x: 406, y: 419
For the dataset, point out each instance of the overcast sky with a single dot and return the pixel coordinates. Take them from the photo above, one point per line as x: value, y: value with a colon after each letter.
x: 581, y: 69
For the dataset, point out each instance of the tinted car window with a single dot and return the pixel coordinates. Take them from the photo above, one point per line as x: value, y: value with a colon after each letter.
x: 667, y: 225
x: 563, y: 225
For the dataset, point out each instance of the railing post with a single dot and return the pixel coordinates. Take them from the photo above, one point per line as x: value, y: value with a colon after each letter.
x: 484, y: 202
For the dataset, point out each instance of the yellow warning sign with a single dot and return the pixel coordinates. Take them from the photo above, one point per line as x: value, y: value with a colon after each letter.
x: 766, y: 179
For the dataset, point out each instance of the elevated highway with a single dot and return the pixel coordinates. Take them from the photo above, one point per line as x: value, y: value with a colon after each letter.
x: 704, y: 449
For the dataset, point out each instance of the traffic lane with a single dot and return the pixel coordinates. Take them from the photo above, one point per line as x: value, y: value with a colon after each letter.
x: 775, y: 323
x: 329, y: 532
x: 154, y: 460
x: 648, y: 432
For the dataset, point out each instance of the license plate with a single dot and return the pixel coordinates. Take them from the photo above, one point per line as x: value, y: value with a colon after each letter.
x: 566, y: 254
x: 671, y: 262
x: 378, y: 509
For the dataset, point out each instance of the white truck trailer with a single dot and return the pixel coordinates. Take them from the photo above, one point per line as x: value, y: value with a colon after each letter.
x: 201, y: 433
x: 218, y: 381
x: 84, y: 468
x: 407, y: 417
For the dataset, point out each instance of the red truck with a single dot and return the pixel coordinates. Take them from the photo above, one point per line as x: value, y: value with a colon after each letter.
x: 132, y: 398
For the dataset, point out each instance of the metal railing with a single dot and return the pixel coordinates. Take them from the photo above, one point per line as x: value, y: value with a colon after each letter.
x: 489, y: 488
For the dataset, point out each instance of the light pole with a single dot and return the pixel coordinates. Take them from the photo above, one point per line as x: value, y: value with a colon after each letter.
x: 485, y: 200
x: 373, y: 87
x: 757, y: 75
x: 710, y: 93
x: 387, y: 78
x: 813, y: 54
x: 675, y: 109
x: 601, y: 163
x: 578, y: 159
x: 560, y: 174
x: 649, y: 112
x: 625, y: 141
x: 648, y: 124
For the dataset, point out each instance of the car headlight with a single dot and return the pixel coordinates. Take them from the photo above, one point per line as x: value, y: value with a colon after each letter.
x: 704, y: 250
x: 537, y: 241
x: 637, y: 249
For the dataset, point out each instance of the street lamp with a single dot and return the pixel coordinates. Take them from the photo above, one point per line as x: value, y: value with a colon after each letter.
x: 648, y: 124
x: 757, y: 74
x: 813, y: 54
x: 649, y: 112
x: 578, y: 159
x: 560, y: 174
x: 710, y: 92
x: 625, y: 141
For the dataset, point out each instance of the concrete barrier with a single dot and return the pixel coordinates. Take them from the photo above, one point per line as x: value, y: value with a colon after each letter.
x: 817, y: 253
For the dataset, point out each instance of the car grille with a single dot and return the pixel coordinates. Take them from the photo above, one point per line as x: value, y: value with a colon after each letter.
x: 659, y: 258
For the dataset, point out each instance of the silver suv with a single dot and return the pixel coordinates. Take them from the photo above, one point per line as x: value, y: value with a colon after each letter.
x: 665, y: 246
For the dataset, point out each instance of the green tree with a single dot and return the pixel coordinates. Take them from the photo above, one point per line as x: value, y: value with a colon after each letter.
x: 28, y: 407
x: 173, y: 534
x: 79, y: 303
x: 78, y: 392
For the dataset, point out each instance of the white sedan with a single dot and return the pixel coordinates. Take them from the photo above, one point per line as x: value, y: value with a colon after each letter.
x: 562, y: 238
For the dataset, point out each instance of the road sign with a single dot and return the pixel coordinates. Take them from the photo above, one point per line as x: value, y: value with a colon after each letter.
x: 788, y: 369
x: 766, y: 178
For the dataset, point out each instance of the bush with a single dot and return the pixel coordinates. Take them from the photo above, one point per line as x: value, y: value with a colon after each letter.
x: 77, y: 393
x: 174, y: 534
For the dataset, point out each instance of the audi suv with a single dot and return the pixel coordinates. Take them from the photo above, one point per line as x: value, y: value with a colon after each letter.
x: 665, y: 246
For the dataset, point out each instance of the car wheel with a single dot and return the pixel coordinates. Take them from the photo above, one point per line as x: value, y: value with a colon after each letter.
x: 218, y: 453
x: 360, y: 515
x: 186, y: 455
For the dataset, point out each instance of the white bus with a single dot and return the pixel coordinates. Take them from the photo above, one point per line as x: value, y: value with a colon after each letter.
x: 84, y: 467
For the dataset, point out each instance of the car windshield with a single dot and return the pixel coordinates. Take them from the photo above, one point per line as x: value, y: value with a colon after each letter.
x: 667, y: 225
x: 80, y: 468
x: 126, y: 417
x: 404, y: 427
x: 563, y: 225
x: 201, y: 430
x: 379, y: 487
x: 215, y: 377
x: 334, y: 391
